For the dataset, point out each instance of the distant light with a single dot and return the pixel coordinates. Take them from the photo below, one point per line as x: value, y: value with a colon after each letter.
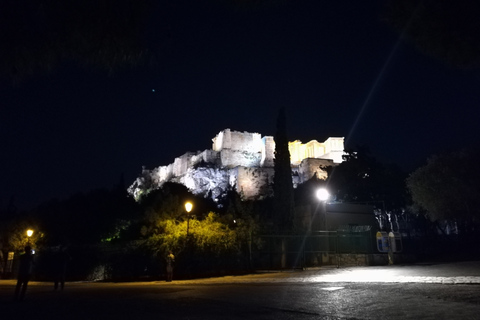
x: 29, y: 233
x: 33, y: 251
x: 153, y: 90
x: 188, y: 206
x: 323, y: 194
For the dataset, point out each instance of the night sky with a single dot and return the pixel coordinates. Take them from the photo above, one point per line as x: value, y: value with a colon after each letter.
x: 335, y: 65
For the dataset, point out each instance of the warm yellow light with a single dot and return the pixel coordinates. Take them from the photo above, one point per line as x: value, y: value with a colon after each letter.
x: 188, y: 206
x: 29, y: 233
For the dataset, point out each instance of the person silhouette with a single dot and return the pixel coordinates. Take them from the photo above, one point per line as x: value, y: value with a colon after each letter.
x: 170, y: 261
x: 24, y: 273
x: 61, y: 259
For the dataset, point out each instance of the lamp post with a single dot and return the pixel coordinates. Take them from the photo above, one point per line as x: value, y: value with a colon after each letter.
x: 323, y: 195
x: 188, y: 208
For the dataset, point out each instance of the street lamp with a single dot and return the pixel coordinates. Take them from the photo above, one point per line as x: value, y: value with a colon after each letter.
x: 29, y: 235
x: 323, y: 195
x: 188, y: 208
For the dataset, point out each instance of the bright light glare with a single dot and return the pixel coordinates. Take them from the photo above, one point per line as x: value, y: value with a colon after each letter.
x: 188, y: 206
x: 361, y: 275
x: 332, y: 288
x: 322, y: 194
x: 29, y: 233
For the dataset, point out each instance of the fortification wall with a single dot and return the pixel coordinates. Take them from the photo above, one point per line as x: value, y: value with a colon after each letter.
x: 208, y: 156
x: 180, y: 165
x: 162, y: 174
x: 238, y: 141
x: 234, y: 158
x: 268, y: 152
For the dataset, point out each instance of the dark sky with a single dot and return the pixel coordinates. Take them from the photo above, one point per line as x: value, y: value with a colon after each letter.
x: 337, y: 68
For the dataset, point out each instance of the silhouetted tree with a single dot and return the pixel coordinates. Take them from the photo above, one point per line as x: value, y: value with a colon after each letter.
x: 86, y: 218
x: 283, y: 200
x: 361, y: 178
x: 448, y: 188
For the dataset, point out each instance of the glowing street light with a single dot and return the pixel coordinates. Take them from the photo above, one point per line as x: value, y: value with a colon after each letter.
x: 188, y: 208
x: 323, y: 194
x: 29, y: 235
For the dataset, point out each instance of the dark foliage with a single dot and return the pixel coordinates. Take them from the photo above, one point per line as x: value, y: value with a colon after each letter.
x: 362, y: 179
x: 305, y: 193
x: 86, y: 218
x: 156, y: 199
x: 283, y: 201
x: 448, y: 188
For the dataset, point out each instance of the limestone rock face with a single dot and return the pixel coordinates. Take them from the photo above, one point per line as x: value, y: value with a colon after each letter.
x: 213, y: 181
x: 241, y: 161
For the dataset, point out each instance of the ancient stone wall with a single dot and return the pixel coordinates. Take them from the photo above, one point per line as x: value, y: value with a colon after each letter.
x: 238, y: 141
x: 234, y: 158
x: 207, y: 156
x: 268, y: 152
x: 163, y: 173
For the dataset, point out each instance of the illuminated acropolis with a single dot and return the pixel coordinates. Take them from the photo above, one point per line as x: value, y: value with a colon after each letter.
x: 241, y: 160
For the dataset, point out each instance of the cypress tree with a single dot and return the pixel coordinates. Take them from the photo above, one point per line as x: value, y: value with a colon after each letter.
x: 283, y: 200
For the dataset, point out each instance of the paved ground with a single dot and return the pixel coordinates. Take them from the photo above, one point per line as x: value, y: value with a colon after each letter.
x: 421, y: 291
x: 467, y: 272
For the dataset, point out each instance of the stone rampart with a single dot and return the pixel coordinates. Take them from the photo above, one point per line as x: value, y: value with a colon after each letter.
x: 238, y: 141
x: 235, y: 158
x: 268, y: 152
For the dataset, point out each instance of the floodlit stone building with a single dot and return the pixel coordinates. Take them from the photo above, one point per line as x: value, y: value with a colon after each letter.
x: 242, y: 161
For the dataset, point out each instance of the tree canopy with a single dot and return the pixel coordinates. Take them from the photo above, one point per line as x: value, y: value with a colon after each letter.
x: 362, y: 179
x: 283, y: 199
x: 448, y: 186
